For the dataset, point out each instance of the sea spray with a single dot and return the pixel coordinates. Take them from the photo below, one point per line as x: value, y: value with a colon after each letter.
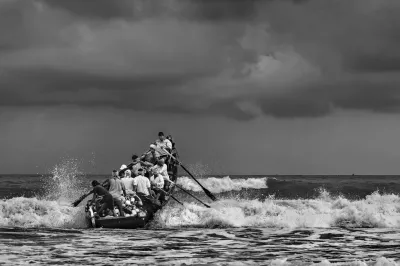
x: 376, y: 210
x: 218, y: 185
x: 32, y: 212
x: 66, y: 181
x: 53, y: 207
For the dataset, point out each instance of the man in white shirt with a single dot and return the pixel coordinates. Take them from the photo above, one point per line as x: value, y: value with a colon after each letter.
x: 142, y: 183
x: 161, y: 169
x: 157, y: 180
x: 161, y: 144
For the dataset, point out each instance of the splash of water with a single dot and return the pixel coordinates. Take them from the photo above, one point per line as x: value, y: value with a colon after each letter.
x: 53, y: 209
x: 32, y: 212
x: 381, y: 261
x: 218, y: 185
x: 66, y: 181
x: 376, y: 210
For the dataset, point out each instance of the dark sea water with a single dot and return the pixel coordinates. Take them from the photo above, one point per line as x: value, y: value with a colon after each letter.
x: 258, y: 220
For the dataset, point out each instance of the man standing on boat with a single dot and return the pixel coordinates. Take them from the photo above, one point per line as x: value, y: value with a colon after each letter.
x: 162, y: 143
x: 116, y: 189
x: 142, y: 183
x: 99, y: 190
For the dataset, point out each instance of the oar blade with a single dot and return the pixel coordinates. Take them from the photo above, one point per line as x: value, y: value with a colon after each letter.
x: 210, y: 194
x: 76, y: 202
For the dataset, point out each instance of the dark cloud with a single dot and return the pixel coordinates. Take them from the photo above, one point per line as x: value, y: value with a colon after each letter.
x: 239, y: 59
x: 139, y: 9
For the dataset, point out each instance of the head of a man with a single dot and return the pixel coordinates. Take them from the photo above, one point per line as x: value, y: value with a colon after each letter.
x: 140, y: 171
x: 160, y: 162
x: 161, y: 136
x: 128, y: 173
x: 114, y: 173
x: 95, y: 183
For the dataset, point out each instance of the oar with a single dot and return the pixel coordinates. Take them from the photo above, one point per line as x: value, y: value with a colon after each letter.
x: 177, y: 200
x: 76, y: 202
x: 187, y: 192
x: 123, y: 170
x: 171, y: 196
x: 187, y: 171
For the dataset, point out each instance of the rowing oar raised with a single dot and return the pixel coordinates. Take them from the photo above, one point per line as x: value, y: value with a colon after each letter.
x: 187, y: 171
x: 187, y: 192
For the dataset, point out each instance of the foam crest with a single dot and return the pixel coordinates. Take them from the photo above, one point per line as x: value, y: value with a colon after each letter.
x: 32, y: 212
x: 382, y: 261
x: 218, y: 185
x: 381, y: 211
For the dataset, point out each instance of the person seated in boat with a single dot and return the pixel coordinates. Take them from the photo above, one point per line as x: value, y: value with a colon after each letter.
x: 149, y: 159
x: 100, y: 191
x: 128, y: 182
x: 142, y: 183
x: 121, y: 172
x: 156, y: 180
x: 157, y: 185
x: 162, y: 144
x: 117, y: 190
x: 161, y: 169
x: 134, y: 165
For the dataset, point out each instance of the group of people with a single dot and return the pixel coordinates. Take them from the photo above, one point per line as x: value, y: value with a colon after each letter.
x: 147, y: 175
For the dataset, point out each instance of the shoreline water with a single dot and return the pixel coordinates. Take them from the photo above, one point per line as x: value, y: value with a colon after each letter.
x: 258, y: 220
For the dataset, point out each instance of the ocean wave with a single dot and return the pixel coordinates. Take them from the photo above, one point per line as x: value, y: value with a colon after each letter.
x: 224, y: 184
x: 375, y: 211
x: 33, y: 212
x: 381, y: 261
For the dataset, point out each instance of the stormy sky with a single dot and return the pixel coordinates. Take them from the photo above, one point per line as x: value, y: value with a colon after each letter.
x: 244, y: 86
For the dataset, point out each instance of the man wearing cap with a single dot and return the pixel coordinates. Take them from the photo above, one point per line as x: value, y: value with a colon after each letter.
x: 142, y: 183
x: 162, y: 143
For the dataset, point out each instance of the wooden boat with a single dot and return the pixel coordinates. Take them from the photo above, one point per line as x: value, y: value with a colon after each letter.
x: 143, y: 214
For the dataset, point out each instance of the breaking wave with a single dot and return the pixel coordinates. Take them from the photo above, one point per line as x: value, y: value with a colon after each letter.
x: 381, y: 261
x: 33, y: 212
x: 218, y: 185
x: 53, y: 207
x: 375, y: 211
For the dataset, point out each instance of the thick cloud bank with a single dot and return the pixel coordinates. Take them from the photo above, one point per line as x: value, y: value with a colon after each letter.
x: 240, y: 59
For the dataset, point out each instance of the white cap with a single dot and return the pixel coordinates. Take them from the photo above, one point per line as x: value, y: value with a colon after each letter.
x: 152, y: 146
x: 122, y: 167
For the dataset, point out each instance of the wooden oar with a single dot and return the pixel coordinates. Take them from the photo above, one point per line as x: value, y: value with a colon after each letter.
x: 209, y: 194
x: 177, y: 200
x: 123, y: 170
x: 76, y: 202
x: 166, y: 193
x: 187, y: 192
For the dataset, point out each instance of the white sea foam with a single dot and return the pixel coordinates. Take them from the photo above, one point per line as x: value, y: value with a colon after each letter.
x: 218, y: 185
x: 32, y: 212
x: 53, y: 209
x: 382, y: 261
x: 377, y: 210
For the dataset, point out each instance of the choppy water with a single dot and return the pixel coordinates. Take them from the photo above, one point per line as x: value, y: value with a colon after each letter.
x: 259, y: 220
